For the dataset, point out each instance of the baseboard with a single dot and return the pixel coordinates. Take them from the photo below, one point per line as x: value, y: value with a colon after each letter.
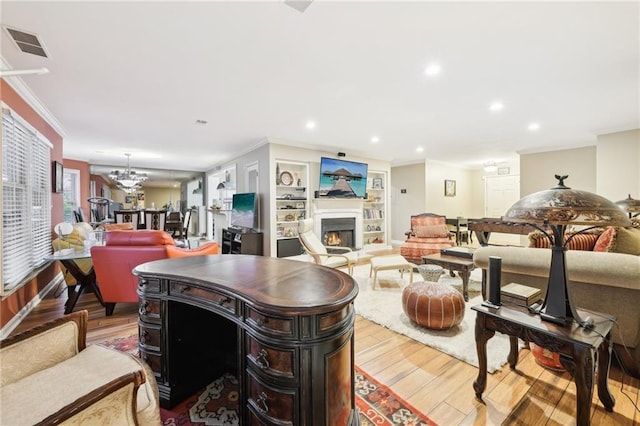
x: 22, y: 313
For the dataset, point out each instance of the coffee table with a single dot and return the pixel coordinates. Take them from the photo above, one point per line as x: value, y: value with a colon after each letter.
x: 453, y: 263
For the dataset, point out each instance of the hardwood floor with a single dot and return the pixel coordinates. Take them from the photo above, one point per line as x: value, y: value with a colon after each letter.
x: 434, y: 383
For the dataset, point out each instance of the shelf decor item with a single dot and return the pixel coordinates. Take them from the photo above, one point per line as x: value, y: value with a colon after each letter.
x: 377, y: 183
x: 286, y: 178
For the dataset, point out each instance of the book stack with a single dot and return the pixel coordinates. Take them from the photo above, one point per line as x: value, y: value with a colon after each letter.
x: 518, y: 294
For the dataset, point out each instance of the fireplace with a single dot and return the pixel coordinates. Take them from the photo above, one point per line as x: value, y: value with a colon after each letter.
x: 338, y: 232
x: 344, y: 215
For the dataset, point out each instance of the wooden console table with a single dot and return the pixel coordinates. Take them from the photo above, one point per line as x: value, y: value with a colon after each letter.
x: 575, y: 345
x: 284, y: 328
x: 453, y: 263
x: 485, y: 226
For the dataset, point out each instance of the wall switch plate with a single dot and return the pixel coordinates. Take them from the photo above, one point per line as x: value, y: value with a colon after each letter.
x: 403, y: 191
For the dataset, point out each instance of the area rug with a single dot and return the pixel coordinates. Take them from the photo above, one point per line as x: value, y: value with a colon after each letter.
x: 384, y: 307
x: 217, y: 404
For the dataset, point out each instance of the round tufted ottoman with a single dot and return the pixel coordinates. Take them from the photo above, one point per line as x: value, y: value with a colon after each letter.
x: 433, y: 305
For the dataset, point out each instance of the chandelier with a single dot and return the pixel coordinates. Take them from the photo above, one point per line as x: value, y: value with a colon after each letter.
x: 128, y: 181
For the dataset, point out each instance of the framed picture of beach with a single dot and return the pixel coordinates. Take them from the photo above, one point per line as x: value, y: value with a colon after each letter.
x: 449, y: 188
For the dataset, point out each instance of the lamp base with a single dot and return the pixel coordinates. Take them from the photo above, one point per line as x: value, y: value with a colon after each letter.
x: 554, y: 319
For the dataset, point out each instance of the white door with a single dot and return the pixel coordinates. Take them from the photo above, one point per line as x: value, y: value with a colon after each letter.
x: 501, y: 192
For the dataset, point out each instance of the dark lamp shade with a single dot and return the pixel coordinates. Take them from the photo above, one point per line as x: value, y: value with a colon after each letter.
x: 564, y: 206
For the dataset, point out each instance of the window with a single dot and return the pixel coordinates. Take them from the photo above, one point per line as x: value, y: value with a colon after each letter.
x: 71, y: 193
x: 26, y: 198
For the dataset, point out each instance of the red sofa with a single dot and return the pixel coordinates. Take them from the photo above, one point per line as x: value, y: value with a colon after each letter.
x: 123, y: 251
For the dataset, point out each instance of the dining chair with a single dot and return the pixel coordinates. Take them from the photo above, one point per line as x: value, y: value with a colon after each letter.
x: 155, y: 219
x: 128, y: 216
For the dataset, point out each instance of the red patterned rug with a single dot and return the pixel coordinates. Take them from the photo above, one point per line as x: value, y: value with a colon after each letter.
x: 217, y: 403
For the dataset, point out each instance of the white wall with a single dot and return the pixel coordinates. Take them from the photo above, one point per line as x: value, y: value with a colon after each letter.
x: 618, y: 165
x: 537, y: 170
x: 410, y: 178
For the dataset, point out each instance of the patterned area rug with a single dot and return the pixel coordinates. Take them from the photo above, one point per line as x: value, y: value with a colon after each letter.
x: 217, y: 403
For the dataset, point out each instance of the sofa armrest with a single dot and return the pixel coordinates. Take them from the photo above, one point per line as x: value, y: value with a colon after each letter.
x: 47, y: 344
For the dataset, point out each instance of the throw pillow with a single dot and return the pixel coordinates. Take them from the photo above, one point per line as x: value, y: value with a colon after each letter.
x: 628, y: 241
x: 431, y: 231
x: 607, y: 240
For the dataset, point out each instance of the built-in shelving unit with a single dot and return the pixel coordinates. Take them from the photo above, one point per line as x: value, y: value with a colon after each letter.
x: 292, y: 204
x: 374, y: 214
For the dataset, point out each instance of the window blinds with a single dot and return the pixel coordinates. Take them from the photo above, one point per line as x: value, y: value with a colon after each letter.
x: 26, y: 197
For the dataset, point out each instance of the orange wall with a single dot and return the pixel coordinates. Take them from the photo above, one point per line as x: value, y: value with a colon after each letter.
x: 11, y: 304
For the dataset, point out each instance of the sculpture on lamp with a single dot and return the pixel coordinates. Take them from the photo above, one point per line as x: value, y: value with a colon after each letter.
x: 551, y: 211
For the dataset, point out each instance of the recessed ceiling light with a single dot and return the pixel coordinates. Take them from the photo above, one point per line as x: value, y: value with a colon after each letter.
x: 496, y: 106
x: 534, y: 126
x: 375, y: 139
x: 310, y: 125
x: 419, y: 149
x: 433, y: 69
x: 201, y: 121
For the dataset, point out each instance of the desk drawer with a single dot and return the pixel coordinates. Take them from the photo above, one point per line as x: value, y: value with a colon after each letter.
x: 280, y: 326
x: 154, y: 361
x: 148, y: 285
x: 274, y: 406
x: 271, y: 361
x: 149, y: 310
x: 149, y: 337
x: 228, y: 303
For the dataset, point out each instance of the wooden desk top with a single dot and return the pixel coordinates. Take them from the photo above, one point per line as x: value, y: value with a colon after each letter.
x: 289, y: 287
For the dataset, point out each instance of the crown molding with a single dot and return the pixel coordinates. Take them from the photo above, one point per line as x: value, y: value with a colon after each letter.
x: 31, y: 99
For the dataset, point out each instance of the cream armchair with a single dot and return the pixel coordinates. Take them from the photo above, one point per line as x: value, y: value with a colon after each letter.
x: 47, y: 376
x: 314, y: 248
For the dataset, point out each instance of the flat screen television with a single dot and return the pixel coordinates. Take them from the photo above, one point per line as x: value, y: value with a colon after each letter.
x: 342, y: 178
x: 244, y: 211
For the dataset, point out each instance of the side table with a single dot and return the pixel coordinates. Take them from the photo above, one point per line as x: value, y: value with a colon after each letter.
x: 453, y: 263
x: 576, y: 346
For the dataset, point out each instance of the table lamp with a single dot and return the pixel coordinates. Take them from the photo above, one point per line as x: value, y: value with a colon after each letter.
x: 553, y: 210
x: 630, y: 206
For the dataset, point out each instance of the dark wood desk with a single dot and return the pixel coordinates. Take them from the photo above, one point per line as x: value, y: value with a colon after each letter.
x: 575, y: 345
x: 85, y: 282
x: 284, y: 328
x: 453, y: 263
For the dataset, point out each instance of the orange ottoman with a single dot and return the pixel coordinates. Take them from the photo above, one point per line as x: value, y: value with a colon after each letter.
x: 433, y: 305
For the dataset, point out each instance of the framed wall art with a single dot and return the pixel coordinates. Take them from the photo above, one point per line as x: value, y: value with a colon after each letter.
x: 449, y: 188
x: 58, y: 176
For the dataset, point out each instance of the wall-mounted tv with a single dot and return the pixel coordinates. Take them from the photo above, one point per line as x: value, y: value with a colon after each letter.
x: 244, y: 211
x: 342, y: 178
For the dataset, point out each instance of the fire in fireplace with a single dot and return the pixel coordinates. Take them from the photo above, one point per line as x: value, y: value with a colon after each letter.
x: 338, y: 232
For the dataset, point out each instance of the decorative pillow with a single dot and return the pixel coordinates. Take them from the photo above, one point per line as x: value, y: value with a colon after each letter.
x: 607, y: 240
x: 431, y: 231
x: 584, y: 241
x: 627, y: 241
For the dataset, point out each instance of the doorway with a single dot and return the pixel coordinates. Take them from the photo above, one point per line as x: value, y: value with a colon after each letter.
x: 501, y: 192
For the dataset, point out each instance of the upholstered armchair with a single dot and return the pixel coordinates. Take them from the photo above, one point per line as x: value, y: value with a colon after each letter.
x: 320, y: 254
x: 49, y: 376
x: 123, y: 251
x: 428, y: 235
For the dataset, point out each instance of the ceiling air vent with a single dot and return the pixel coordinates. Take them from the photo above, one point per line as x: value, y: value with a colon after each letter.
x: 26, y: 42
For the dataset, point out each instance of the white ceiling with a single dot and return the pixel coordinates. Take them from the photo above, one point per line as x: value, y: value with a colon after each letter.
x: 135, y: 76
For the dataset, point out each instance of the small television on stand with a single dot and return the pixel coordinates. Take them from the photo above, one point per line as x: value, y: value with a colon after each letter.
x: 244, y: 212
x: 342, y: 178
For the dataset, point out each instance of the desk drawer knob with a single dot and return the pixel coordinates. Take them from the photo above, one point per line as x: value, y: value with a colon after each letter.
x: 262, y: 361
x: 262, y: 402
x: 225, y: 300
x: 144, y: 308
x: 182, y: 289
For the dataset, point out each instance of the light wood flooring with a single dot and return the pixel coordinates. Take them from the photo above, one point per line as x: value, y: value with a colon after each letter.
x: 434, y: 383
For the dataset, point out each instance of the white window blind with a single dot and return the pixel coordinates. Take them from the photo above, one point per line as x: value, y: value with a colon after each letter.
x: 26, y: 197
